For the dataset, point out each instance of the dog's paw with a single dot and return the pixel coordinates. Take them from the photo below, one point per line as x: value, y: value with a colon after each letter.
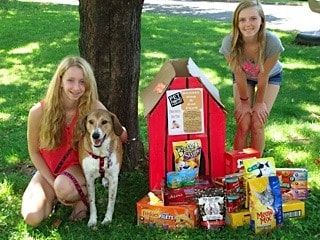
x: 92, y: 223
x: 106, y: 221
x: 105, y: 182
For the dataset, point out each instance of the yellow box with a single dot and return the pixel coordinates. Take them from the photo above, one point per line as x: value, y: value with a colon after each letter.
x: 238, y: 219
x: 293, y: 209
x: 167, y: 217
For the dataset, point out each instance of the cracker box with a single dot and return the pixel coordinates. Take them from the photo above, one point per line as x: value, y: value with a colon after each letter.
x: 233, y: 159
x: 166, y: 217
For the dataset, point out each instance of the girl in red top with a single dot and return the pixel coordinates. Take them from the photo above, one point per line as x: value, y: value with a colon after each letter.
x: 71, y: 95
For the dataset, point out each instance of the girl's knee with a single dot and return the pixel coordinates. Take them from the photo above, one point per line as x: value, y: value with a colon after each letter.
x: 257, y: 125
x: 33, y: 218
x: 62, y: 187
x: 66, y: 190
x: 243, y: 127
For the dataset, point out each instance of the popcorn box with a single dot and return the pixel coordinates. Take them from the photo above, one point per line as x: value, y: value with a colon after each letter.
x: 166, y: 217
x: 233, y: 159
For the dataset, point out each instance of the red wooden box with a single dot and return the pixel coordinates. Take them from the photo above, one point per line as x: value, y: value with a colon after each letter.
x: 232, y: 158
x: 183, y: 74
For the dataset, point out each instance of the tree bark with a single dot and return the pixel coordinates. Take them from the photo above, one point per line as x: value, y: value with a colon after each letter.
x: 110, y: 42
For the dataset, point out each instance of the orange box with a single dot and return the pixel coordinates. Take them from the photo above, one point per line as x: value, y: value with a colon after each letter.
x: 167, y: 217
x: 233, y: 159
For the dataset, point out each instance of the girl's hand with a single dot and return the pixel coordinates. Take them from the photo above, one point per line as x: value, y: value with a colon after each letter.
x: 262, y: 111
x: 242, y: 109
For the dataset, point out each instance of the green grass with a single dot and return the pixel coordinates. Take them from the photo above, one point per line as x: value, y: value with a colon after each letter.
x: 34, y: 37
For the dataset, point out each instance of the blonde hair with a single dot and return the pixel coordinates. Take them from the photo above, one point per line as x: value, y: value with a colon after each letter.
x: 53, y: 119
x: 237, y: 43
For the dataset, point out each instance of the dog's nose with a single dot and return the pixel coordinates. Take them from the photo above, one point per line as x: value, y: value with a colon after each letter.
x: 95, y: 135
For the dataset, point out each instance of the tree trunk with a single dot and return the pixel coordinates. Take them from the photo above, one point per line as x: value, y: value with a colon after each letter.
x: 110, y: 42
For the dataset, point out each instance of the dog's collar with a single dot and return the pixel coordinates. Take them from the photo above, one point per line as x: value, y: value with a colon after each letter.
x: 101, y: 162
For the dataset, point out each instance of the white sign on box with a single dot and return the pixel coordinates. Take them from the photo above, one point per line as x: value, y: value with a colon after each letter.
x: 185, y: 111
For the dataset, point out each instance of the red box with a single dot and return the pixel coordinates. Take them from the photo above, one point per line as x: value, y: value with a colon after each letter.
x: 185, y: 195
x: 167, y: 217
x: 233, y: 159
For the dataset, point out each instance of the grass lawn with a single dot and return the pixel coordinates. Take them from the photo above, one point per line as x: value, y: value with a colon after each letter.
x: 35, y: 37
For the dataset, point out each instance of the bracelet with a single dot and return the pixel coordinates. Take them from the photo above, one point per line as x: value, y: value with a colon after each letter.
x: 244, y: 99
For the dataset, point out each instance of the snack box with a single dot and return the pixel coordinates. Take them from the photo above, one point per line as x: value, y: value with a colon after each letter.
x: 166, y: 217
x: 291, y: 209
x: 233, y: 159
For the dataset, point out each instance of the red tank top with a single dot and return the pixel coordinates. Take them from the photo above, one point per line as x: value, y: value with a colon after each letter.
x: 64, y: 155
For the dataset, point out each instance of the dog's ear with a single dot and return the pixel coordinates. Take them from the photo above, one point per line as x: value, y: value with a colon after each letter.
x: 117, y: 127
x: 79, y: 131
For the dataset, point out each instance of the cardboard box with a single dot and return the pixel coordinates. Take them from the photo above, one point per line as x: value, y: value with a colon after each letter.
x: 238, y: 219
x: 180, y: 104
x: 185, y: 195
x: 167, y: 217
x: 293, y: 183
x: 233, y: 159
x: 293, y: 209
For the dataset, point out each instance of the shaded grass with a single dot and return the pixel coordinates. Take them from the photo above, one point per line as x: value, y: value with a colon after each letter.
x: 34, y: 39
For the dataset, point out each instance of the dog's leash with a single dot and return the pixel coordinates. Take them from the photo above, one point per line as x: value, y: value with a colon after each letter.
x: 78, y: 187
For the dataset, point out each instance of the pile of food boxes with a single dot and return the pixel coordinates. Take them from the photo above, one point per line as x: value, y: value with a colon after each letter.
x: 254, y: 193
x: 193, y: 181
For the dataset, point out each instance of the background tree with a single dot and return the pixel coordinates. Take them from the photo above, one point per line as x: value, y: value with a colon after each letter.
x: 110, y: 41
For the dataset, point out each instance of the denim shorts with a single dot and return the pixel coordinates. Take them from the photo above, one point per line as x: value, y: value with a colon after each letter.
x: 275, y: 80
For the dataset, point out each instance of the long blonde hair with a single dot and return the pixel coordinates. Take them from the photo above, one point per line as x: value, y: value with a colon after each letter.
x: 237, y: 43
x: 54, y: 115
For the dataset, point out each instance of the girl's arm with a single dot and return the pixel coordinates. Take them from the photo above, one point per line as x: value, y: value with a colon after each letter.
x: 34, y: 121
x: 263, y: 77
x: 259, y: 106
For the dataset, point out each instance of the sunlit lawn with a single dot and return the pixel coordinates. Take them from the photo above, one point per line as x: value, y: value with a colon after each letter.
x: 34, y: 37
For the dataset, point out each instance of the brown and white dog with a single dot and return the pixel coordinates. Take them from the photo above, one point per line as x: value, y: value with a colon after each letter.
x: 101, y: 153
